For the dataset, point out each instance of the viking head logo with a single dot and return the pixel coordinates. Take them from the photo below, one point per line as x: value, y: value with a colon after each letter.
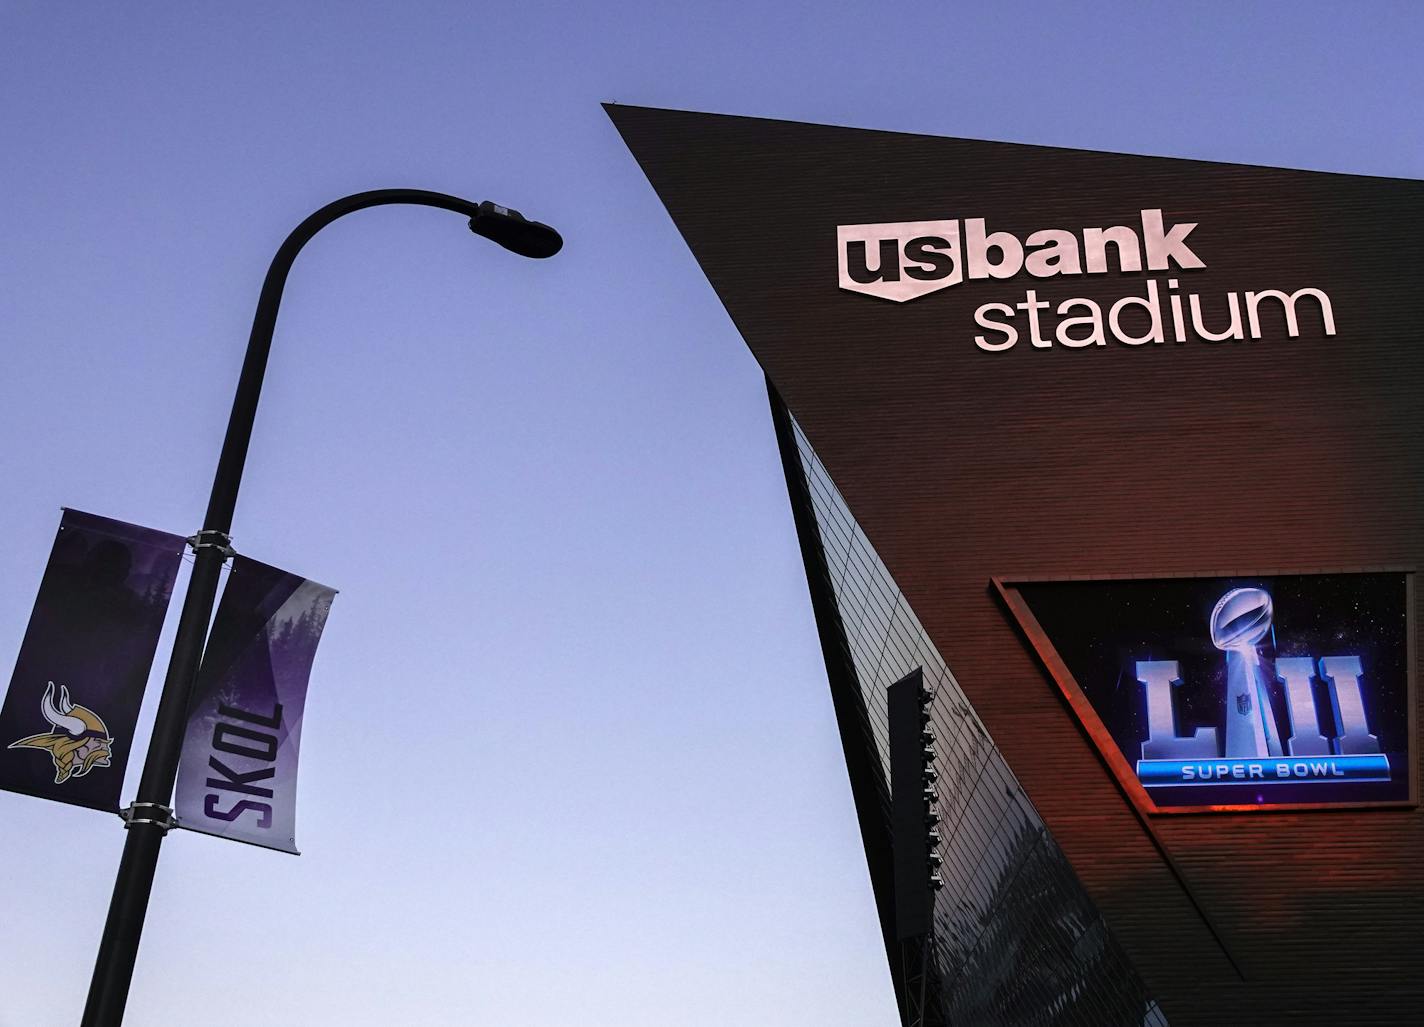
x: 79, y: 742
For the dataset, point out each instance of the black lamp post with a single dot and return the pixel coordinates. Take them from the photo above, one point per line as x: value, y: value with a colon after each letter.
x: 150, y: 817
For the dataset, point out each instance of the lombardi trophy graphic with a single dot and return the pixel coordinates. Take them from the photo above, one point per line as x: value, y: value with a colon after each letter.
x: 1240, y: 620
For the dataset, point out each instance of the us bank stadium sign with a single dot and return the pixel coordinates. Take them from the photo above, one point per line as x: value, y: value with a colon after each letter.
x: 1233, y: 693
x: 903, y: 261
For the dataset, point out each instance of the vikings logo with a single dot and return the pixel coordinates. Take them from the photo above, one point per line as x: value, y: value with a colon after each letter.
x: 80, y: 741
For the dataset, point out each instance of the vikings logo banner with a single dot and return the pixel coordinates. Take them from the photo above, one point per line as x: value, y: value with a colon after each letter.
x: 67, y: 725
x: 238, y: 774
x: 1237, y: 692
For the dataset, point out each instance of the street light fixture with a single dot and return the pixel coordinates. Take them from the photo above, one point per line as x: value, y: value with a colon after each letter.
x: 151, y: 816
x: 514, y: 232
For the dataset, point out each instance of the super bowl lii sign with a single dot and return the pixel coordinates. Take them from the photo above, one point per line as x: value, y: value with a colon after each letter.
x: 1236, y: 693
x: 1248, y: 747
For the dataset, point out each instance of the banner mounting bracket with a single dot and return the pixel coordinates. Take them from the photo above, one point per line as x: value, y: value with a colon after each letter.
x: 160, y: 816
x: 211, y: 538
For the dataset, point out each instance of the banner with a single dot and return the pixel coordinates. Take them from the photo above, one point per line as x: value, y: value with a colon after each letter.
x: 67, y: 725
x: 238, y: 774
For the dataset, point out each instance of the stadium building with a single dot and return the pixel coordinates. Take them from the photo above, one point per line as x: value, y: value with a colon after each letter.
x: 1108, y: 476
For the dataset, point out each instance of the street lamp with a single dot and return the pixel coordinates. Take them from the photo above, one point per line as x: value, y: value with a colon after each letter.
x: 150, y: 817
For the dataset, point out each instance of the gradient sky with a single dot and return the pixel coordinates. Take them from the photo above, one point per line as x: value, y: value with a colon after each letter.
x: 569, y: 756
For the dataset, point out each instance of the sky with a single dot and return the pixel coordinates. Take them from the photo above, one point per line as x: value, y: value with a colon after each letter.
x: 569, y: 755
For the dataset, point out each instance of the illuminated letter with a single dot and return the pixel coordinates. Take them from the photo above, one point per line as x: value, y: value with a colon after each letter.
x: 978, y: 247
x: 1095, y: 249
x: 1352, y: 734
x: 1305, y: 738
x: 1167, y: 248
x: 1233, y: 330
x: 1093, y: 319
x: 1154, y: 317
x: 1032, y: 304
x: 981, y: 318
x: 1060, y: 246
x: 1253, y: 300
x: 1163, y: 742
x: 931, y: 258
x: 858, y: 265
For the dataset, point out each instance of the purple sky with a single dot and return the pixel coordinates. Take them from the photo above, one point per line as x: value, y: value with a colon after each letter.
x: 569, y: 755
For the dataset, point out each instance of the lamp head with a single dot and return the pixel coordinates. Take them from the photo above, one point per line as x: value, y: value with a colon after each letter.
x: 515, y: 232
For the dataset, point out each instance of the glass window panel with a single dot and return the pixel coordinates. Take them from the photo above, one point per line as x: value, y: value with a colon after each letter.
x: 1015, y: 939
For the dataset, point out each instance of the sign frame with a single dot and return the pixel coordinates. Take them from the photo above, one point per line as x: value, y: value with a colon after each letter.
x: 1007, y: 588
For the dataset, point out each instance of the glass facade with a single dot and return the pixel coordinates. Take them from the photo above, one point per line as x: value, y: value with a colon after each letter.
x: 1016, y: 939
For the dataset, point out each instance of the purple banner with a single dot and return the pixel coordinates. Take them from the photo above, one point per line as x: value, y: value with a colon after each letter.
x: 238, y: 775
x: 67, y: 725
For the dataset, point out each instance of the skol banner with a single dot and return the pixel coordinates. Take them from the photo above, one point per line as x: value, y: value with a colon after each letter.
x: 67, y: 725
x: 238, y: 775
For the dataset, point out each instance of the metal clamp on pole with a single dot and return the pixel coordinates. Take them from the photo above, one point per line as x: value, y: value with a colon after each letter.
x: 158, y: 814
x: 211, y: 538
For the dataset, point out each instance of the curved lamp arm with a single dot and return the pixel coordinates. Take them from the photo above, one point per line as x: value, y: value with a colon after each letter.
x: 507, y: 227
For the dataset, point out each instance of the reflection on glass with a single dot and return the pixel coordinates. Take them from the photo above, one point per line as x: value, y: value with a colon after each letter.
x: 1016, y: 939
